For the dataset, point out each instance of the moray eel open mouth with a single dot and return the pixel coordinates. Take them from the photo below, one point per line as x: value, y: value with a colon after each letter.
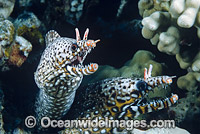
x: 76, y: 61
x: 80, y: 49
x: 76, y: 67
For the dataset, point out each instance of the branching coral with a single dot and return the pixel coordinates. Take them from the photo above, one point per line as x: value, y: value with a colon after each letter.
x: 147, y: 7
x: 186, y: 12
x: 170, y: 28
x: 154, y: 25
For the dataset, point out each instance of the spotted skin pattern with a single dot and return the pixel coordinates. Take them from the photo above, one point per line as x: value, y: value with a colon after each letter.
x: 60, y: 72
x: 118, y: 98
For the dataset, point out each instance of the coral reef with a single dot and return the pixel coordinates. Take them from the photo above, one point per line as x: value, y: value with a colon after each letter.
x: 19, y: 51
x: 6, y: 8
x: 147, y: 7
x: 27, y: 25
x: 185, y: 12
x: 169, y: 25
x: 186, y: 109
x: 26, y: 22
x: 186, y: 112
x: 74, y: 10
x: 7, y: 32
x: 70, y: 11
x: 189, y: 81
x: 7, y: 37
x: 17, y: 38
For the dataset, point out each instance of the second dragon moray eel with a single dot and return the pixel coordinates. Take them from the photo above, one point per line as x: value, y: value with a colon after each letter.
x: 60, y: 73
x: 116, y: 99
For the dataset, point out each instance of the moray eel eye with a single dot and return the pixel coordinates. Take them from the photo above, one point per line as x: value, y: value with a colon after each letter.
x: 74, y: 47
x: 142, y: 85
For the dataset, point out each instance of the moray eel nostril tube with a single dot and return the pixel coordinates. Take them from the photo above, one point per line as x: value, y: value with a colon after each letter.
x: 60, y: 72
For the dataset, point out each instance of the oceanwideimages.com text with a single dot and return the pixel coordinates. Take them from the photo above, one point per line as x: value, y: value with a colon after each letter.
x: 46, y: 122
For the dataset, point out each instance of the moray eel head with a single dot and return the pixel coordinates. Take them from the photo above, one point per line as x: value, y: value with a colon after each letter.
x: 68, y: 54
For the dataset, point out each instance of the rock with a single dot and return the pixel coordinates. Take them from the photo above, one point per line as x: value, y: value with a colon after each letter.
x: 6, y: 8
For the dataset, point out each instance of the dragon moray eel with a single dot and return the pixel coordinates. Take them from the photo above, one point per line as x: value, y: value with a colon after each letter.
x: 117, y: 98
x: 60, y: 72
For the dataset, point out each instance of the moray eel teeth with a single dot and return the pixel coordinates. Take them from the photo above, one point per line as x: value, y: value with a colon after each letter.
x: 76, y: 70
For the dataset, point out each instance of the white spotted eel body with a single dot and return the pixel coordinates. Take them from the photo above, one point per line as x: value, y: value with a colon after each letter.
x: 118, y: 98
x: 60, y: 73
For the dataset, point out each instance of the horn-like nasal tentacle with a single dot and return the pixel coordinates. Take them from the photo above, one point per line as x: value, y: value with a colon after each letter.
x: 86, y: 34
x: 78, y: 38
x: 150, y: 70
x: 96, y: 41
